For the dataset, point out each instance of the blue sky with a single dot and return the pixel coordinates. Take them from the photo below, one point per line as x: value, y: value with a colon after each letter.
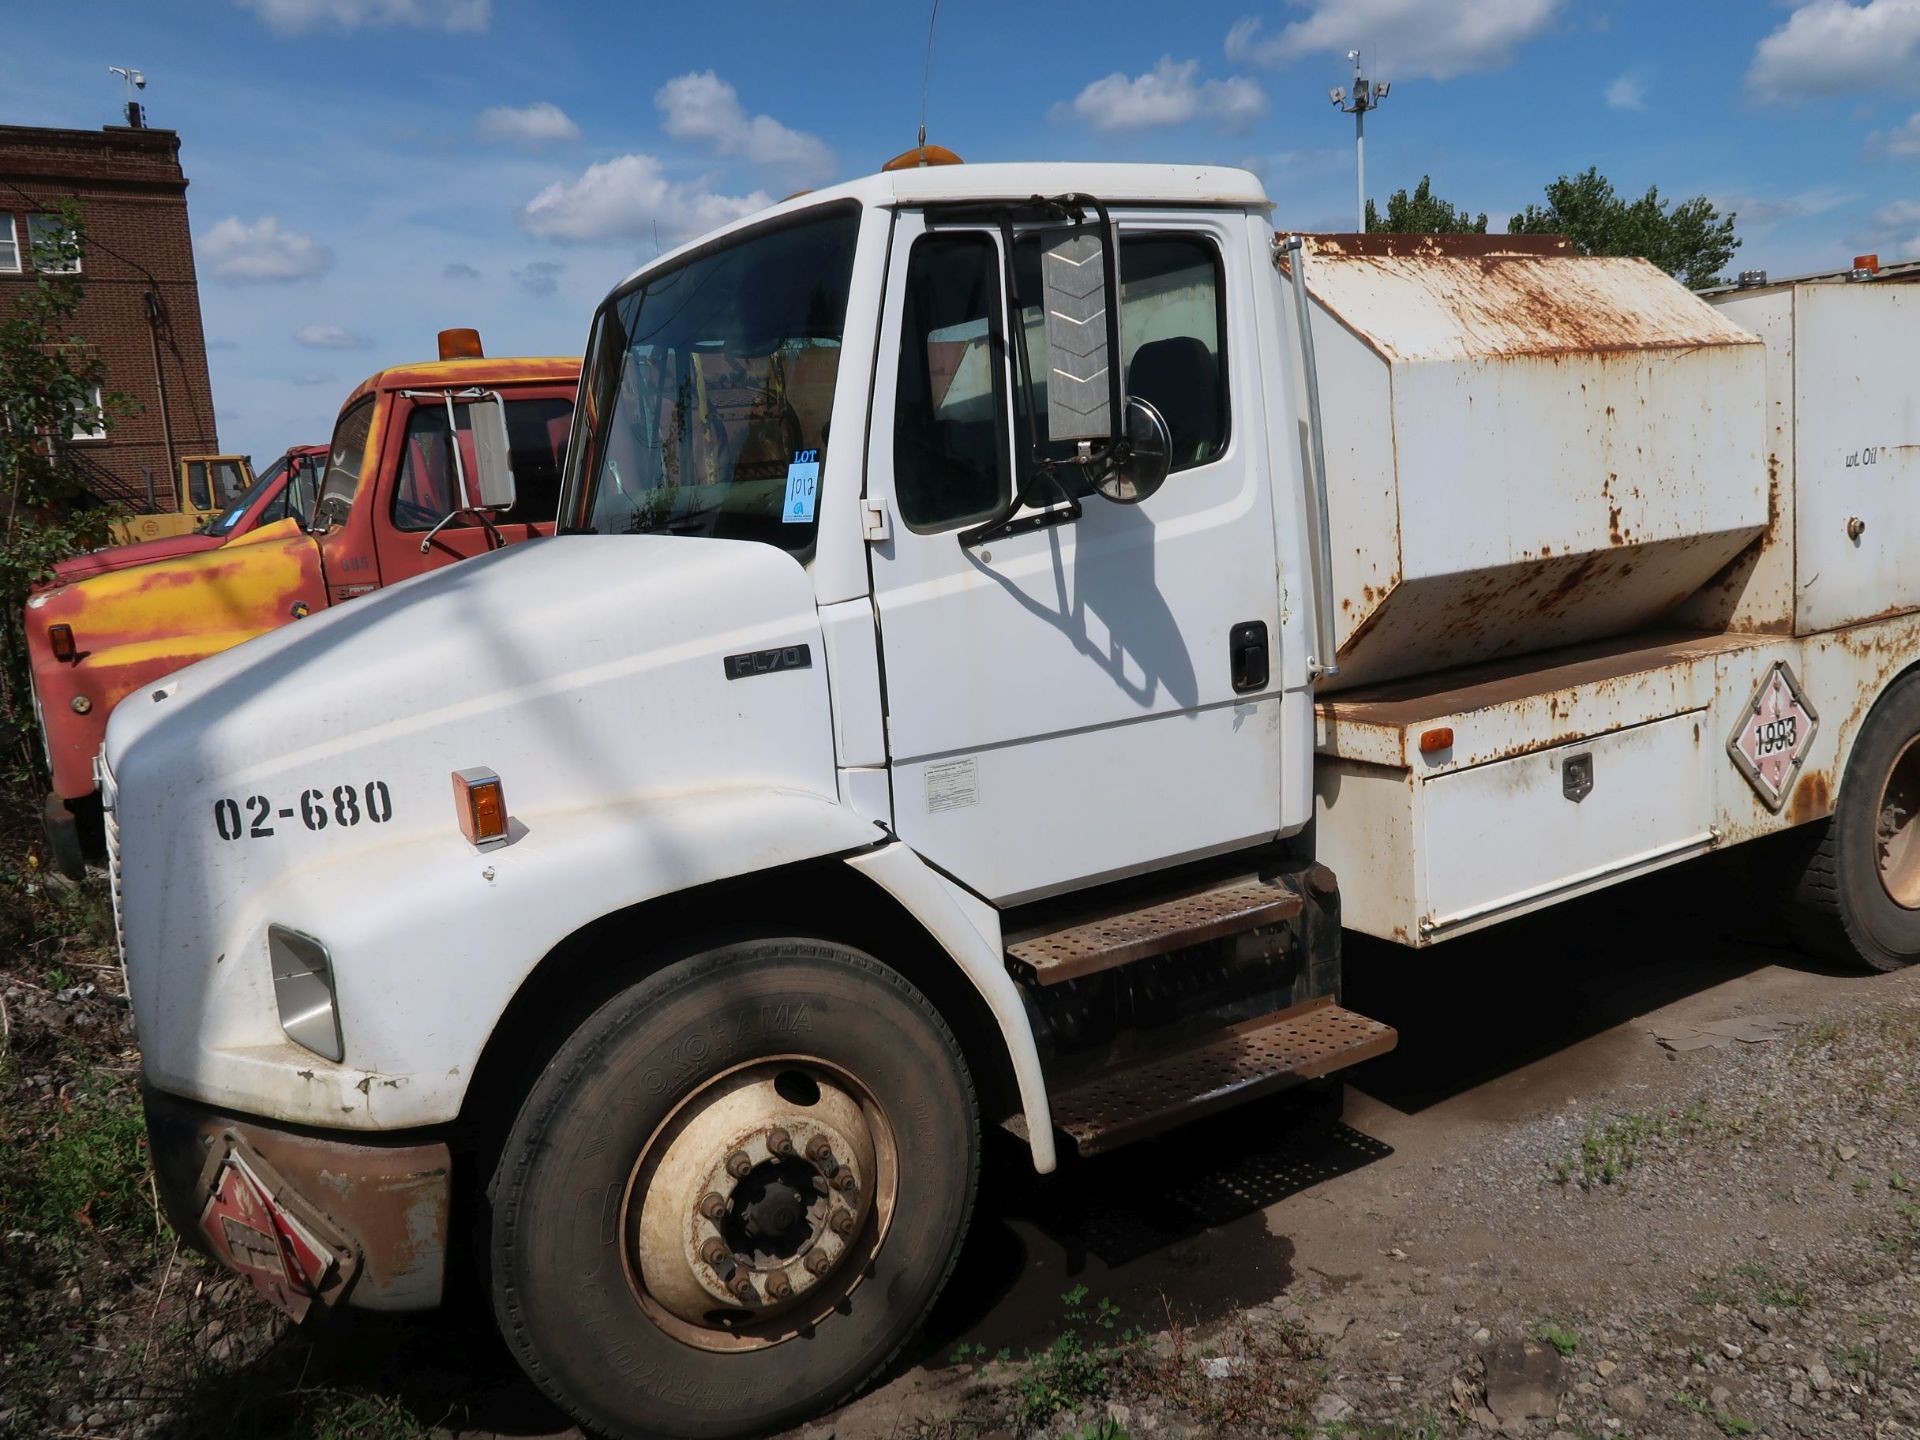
x: 366, y: 172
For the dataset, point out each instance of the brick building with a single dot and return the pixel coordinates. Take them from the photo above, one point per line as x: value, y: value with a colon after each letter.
x: 141, y: 311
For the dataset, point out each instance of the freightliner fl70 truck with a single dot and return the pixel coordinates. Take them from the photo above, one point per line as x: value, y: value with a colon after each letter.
x: 990, y: 650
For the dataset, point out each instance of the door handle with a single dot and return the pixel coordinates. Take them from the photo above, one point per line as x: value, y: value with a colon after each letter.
x: 1247, y: 647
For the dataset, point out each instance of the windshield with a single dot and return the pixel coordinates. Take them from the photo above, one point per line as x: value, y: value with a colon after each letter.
x: 230, y: 517
x: 709, y: 388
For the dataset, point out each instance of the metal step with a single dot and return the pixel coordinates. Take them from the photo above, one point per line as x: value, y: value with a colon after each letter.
x: 1074, y: 951
x: 1257, y: 1057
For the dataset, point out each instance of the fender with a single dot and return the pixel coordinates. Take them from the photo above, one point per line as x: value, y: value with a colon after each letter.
x: 475, y: 925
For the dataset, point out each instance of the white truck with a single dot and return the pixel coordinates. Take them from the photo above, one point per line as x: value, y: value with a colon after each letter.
x: 990, y: 649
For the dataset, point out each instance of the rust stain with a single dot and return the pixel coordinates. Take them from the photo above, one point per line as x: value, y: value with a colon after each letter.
x: 1812, y: 798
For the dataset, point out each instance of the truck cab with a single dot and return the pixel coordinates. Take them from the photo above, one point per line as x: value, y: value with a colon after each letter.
x: 204, y: 486
x: 924, y: 724
x: 389, y: 506
x: 285, y: 490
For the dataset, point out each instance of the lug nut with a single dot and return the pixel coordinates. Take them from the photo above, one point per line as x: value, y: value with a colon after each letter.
x: 715, y: 1252
x: 778, y: 1286
x: 779, y: 1142
x: 739, y: 1166
x: 818, y: 1149
x: 819, y: 1263
x: 742, y: 1289
x: 713, y: 1205
x: 842, y: 1223
x: 842, y: 1181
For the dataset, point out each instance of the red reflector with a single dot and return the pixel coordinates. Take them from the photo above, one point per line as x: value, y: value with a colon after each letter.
x: 1440, y: 738
x: 60, y: 637
x: 481, y: 806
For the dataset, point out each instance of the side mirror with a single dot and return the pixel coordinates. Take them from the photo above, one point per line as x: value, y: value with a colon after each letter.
x: 1078, y: 294
x: 1145, y: 459
x: 492, y: 487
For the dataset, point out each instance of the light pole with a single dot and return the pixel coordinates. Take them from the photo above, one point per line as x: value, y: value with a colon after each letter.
x: 1366, y: 96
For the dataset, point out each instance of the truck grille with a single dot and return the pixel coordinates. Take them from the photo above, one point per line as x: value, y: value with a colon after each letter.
x: 113, y: 870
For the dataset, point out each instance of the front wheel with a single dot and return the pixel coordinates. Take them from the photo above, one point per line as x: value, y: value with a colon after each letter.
x: 734, y: 1193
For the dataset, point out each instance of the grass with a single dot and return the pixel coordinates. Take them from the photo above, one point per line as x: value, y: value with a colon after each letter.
x: 1078, y: 1366
x: 1561, y: 1339
x: 1728, y: 1423
x: 1609, y: 1151
x: 85, y: 1171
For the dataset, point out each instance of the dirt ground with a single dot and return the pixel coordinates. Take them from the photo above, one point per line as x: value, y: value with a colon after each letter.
x: 1535, y: 1218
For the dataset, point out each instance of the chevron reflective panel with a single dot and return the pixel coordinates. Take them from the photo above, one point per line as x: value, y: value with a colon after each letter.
x: 1073, y: 286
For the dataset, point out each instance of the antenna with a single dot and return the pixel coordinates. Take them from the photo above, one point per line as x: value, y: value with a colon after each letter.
x: 926, y: 78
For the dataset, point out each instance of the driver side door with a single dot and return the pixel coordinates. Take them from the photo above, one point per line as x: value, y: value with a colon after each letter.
x: 1067, y: 705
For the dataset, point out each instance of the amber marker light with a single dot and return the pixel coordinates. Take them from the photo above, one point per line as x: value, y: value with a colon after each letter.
x: 481, y: 805
x: 60, y: 638
x: 1439, y: 738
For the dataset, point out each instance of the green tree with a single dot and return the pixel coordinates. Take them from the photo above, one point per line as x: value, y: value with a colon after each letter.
x: 48, y: 378
x: 1692, y: 241
x: 1424, y: 213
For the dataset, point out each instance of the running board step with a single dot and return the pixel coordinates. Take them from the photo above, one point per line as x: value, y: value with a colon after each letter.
x: 1254, y: 1058
x: 1056, y: 956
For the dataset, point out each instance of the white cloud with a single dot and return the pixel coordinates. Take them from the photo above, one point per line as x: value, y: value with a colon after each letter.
x: 1894, y: 231
x: 539, y: 278
x: 1415, y: 37
x: 262, y: 252
x: 702, y: 108
x: 529, y: 126
x: 459, y: 270
x: 629, y: 197
x: 1627, y: 92
x: 1901, y: 144
x: 1833, y: 47
x: 296, y: 17
x: 330, y: 337
x: 1165, y: 95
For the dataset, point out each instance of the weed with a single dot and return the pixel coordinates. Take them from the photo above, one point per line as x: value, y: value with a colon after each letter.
x: 1728, y: 1423
x: 1608, y: 1152
x: 1862, y: 1185
x: 87, y: 1171
x: 1565, y: 1341
x: 1077, y: 1366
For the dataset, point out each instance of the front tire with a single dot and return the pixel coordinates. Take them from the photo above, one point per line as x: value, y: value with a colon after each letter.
x: 734, y: 1193
x: 1856, y: 899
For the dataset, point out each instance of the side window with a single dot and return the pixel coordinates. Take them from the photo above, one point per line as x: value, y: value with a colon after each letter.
x: 347, y: 454
x: 229, y: 482
x: 197, y: 490
x: 9, y: 244
x: 1170, y: 339
x: 428, y: 487
x: 949, y: 445
x: 1170, y: 333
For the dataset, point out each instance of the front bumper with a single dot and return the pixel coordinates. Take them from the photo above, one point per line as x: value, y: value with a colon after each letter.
x: 309, y: 1218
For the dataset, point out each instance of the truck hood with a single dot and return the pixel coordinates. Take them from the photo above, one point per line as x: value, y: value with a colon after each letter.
x: 588, y: 671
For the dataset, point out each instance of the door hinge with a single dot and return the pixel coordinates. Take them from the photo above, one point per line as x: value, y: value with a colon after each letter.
x: 873, y: 521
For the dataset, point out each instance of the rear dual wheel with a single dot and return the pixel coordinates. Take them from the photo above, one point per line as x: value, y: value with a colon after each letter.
x: 735, y: 1192
x: 1856, y: 897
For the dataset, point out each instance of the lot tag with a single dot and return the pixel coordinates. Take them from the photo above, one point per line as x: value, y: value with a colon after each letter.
x: 803, y: 488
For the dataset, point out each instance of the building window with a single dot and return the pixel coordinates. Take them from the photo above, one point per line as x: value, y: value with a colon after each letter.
x: 9, y: 244
x: 90, y: 420
x: 49, y: 230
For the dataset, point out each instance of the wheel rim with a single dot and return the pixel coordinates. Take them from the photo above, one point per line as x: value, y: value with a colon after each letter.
x: 755, y: 1209
x: 1897, y: 829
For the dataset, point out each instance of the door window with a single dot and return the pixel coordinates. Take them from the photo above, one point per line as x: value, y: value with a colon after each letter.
x: 1170, y: 339
x: 949, y: 440
x: 428, y: 488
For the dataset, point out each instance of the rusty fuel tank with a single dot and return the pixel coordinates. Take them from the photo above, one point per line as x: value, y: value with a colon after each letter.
x: 1526, y: 447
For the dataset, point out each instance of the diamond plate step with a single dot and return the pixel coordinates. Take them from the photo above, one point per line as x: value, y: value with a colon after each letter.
x: 1251, y: 1059
x: 1086, y: 949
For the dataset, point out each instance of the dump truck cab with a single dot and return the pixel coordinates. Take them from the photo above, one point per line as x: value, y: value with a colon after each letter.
x: 285, y: 490
x: 389, y: 506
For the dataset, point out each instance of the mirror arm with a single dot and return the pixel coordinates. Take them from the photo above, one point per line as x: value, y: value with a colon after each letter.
x: 495, y: 540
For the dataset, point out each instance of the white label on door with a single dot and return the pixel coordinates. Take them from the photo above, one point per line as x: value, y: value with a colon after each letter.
x: 953, y: 785
x: 803, y: 488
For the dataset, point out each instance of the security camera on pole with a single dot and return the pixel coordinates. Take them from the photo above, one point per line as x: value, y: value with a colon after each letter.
x: 136, y: 114
x: 1366, y: 97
